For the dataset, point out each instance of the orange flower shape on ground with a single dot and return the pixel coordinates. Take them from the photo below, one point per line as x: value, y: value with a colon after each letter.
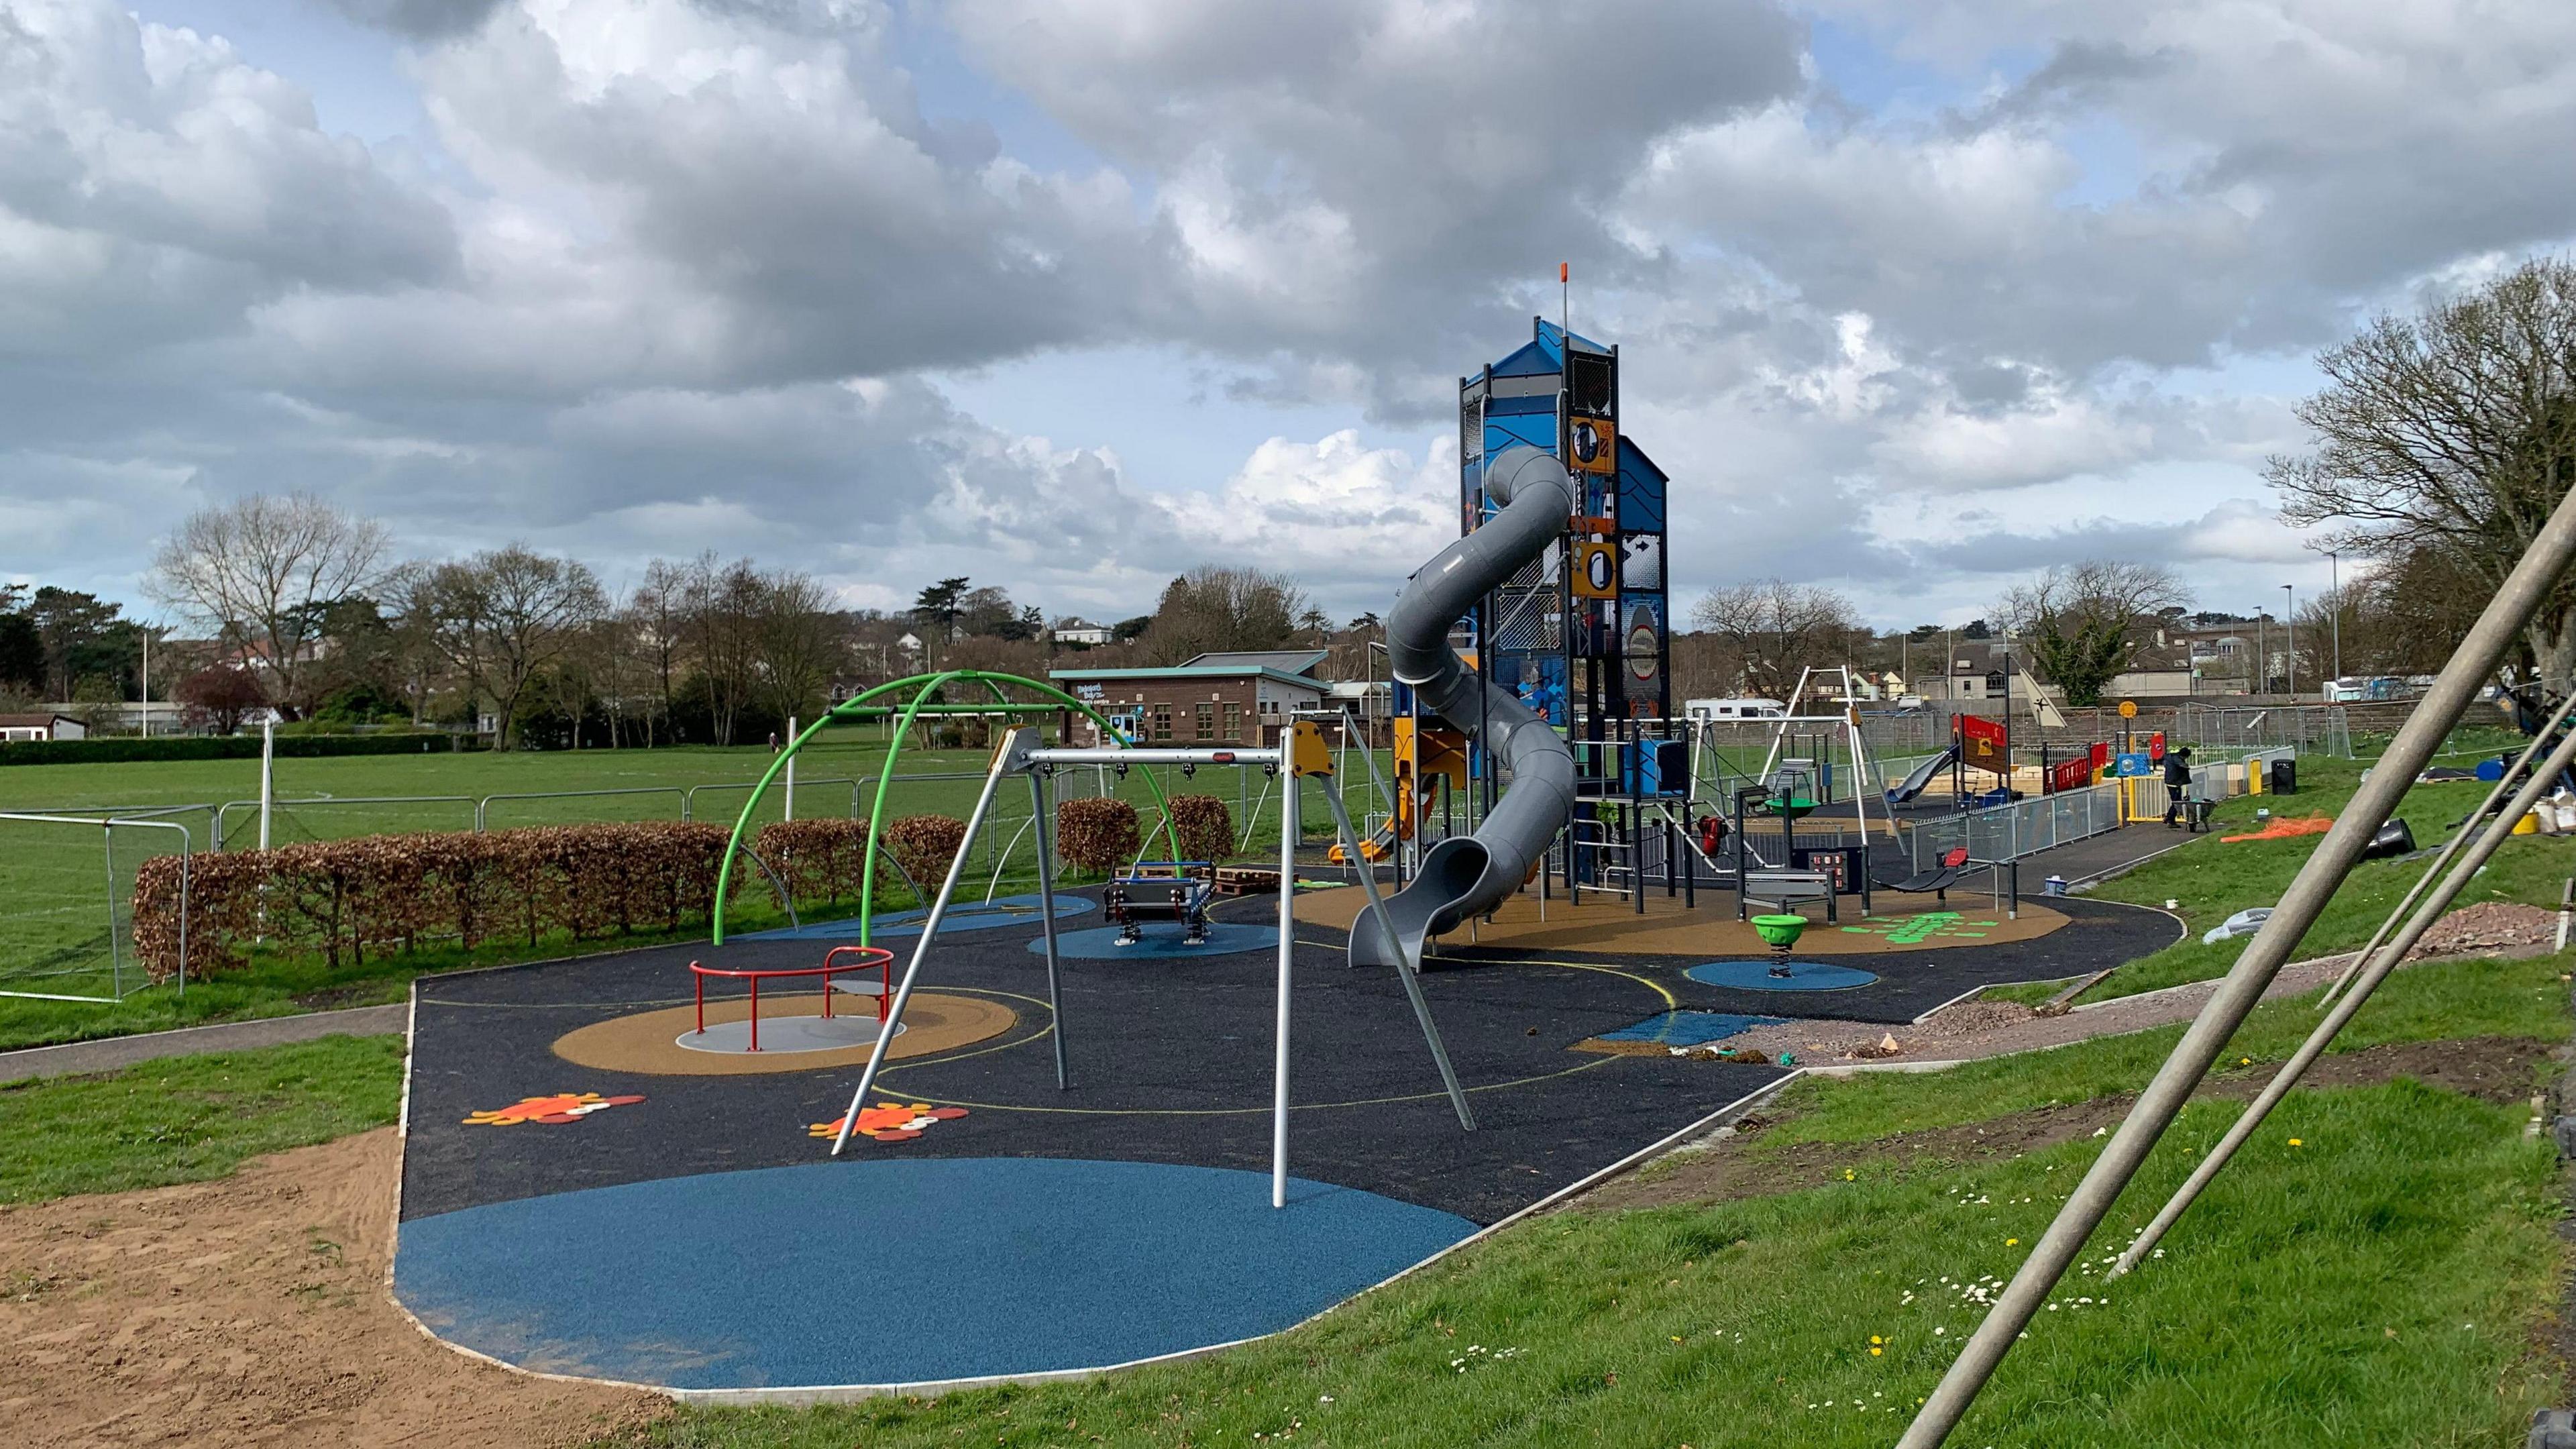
x: 2282, y: 828
x: 561, y: 1107
x: 890, y: 1121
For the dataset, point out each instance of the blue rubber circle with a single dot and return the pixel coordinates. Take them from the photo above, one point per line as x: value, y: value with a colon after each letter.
x: 1754, y: 974
x: 1161, y: 940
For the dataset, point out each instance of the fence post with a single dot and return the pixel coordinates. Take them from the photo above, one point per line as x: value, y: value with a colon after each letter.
x: 787, y: 810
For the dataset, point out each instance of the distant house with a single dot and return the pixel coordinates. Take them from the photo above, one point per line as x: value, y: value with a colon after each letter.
x: 30, y: 727
x: 1241, y: 698
x: 1081, y: 632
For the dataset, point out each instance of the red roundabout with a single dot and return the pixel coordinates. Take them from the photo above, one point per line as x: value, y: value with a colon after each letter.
x: 863, y: 958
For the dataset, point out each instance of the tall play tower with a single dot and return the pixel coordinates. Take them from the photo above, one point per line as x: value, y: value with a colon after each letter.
x: 1581, y: 632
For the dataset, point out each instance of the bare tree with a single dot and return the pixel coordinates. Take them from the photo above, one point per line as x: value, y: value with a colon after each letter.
x: 2083, y: 622
x: 723, y: 637
x: 2453, y: 430
x: 1767, y: 631
x: 800, y: 644
x: 504, y: 615
x: 1212, y: 608
x: 261, y: 572
x: 657, y: 616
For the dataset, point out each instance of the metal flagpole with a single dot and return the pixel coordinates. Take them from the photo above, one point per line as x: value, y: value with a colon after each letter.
x: 1046, y: 919
x: 1002, y: 759
x: 2242, y: 988
x: 2450, y: 848
x: 2377, y: 971
x: 1288, y: 803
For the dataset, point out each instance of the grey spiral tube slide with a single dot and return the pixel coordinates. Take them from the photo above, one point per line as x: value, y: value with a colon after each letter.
x: 1468, y: 875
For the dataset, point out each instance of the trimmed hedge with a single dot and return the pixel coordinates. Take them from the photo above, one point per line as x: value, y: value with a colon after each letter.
x: 389, y: 893
x: 1205, y: 826
x: 1096, y: 835
x: 925, y: 844
x: 821, y: 860
x: 122, y: 750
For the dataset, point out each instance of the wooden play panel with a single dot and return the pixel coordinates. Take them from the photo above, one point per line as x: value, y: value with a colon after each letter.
x: 647, y: 1041
x: 1668, y: 928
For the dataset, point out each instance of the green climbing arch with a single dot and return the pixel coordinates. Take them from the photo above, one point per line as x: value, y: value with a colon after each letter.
x: 925, y: 689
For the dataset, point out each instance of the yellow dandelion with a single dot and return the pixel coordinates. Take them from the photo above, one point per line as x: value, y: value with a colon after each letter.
x: 2012, y: 1242
x: 1874, y: 1338
x: 2295, y: 1142
x: 1875, y: 1352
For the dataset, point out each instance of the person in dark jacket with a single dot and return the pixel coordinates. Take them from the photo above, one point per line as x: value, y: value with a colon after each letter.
x: 2177, y: 787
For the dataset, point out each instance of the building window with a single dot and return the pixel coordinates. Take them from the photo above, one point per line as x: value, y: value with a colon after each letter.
x: 1163, y: 721
x: 1205, y: 723
x: 1233, y: 723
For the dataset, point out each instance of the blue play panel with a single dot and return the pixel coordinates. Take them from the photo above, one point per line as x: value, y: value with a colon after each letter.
x: 898, y: 1272
x: 1754, y: 974
x: 1161, y: 941
x: 1690, y: 1028
x: 962, y: 916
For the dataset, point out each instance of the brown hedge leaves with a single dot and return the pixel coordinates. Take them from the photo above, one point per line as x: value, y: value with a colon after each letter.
x: 343, y: 899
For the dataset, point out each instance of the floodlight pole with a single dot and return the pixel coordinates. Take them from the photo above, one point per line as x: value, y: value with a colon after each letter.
x: 2242, y: 988
x: 2372, y: 974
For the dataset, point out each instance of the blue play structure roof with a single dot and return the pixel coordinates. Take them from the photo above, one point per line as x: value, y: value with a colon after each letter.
x: 1544, y: 355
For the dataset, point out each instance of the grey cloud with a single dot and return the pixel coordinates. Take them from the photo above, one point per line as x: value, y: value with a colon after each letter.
x: 420, y: 19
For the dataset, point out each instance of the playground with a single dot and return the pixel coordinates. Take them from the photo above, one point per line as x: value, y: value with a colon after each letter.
x: 1545, y: 959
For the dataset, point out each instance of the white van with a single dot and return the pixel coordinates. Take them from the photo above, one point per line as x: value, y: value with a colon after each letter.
x: 1701, y: 711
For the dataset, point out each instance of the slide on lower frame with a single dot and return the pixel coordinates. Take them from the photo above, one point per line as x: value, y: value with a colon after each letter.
x: 1468, y: 875
x: 1913, y: 784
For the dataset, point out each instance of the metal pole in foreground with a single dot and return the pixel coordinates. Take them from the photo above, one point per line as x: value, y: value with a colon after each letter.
x: 2450, y: 848
x: 2377, y: 971
x: 1404, y: 970
x: 2242, y: 988
x: 1046, y: 919
x: 1287, y: 963
x: 929, y: 933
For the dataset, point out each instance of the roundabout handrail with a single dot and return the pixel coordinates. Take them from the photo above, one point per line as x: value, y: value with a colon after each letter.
x: 876, y: 956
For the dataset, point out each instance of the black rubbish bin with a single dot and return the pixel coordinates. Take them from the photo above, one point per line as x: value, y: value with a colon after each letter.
x: 2284, y: 778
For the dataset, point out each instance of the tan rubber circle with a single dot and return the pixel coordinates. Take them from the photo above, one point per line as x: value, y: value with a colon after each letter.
x: 647, y: 1041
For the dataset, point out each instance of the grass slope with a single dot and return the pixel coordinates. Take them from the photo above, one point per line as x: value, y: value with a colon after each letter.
x: 2377, y: 1283
x: 187, y: 1119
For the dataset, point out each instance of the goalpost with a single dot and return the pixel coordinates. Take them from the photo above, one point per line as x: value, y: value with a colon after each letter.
x: 67, y: 933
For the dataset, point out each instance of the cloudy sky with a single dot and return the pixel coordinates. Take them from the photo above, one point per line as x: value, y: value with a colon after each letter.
x: 1914, y: 296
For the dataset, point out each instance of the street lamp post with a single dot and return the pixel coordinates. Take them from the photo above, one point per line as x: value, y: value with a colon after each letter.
x: 2290, y: 622
x: 2262, y: 671
x: 2334, y: 577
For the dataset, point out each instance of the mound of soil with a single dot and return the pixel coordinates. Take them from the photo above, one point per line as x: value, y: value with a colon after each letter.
x: 252, y: 1310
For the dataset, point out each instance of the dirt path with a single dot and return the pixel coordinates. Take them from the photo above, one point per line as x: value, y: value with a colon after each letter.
x: 2494, y: 1069
x: 251, y: 1310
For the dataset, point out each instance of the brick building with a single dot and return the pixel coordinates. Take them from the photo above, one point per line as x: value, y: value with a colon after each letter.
x: 1214, y: 699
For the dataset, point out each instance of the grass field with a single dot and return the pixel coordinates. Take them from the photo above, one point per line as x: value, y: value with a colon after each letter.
x: 1820, y: 1315
x: 64, y: 886
x: 187, y: 1119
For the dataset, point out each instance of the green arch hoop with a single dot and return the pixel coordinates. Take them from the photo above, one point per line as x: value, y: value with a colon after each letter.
x: 929, y: 686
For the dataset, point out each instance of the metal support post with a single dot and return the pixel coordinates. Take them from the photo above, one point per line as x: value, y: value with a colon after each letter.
x: 1405, y: 971
x: 1003, y: 759
x: 2242, y: 989
x: 1287, y: 966
x: 1046, y: 918
x: 2373, y: 972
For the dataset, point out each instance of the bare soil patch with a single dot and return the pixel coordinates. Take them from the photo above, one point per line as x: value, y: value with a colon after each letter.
x: 251, y: 1310
x: 2494, y: 1069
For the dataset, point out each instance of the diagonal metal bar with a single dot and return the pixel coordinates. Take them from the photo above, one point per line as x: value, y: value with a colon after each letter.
x: 2373, y: 972
x: 1405, y: 971
x: 2450, y: 848
x: 2532, y: 579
